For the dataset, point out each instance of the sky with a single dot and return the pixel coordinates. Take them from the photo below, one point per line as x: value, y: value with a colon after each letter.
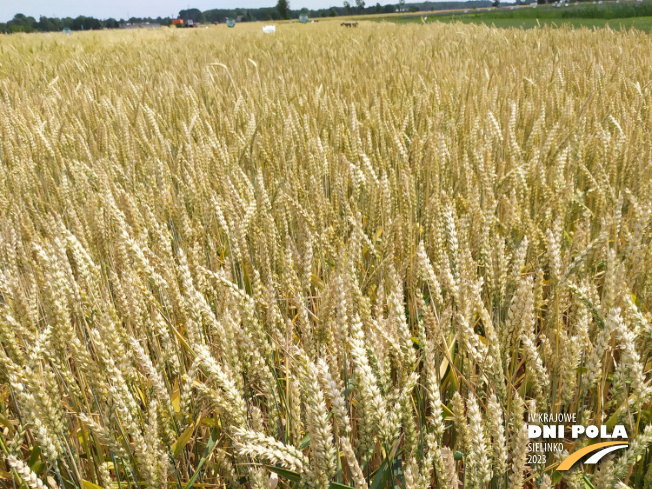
x: 103, y: 9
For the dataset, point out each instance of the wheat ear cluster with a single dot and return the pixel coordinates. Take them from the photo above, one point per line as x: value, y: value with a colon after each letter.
x: 323, y: 257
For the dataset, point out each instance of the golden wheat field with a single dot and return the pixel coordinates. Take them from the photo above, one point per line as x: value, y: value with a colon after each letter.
x: 325, y: 257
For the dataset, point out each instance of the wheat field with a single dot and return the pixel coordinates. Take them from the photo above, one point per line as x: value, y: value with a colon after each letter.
x: 325, y: 257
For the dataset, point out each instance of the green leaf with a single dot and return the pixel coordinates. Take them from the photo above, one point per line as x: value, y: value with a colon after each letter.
x: 381, y: 477
x: 587, y: 482
x: 183, y: 440
x: 337, y: 485
x: 38, y: 467
x: 33, y: 457
x: 207, y: 451
x: 89, y: 485
x: 4, y: 421
x: 290, y: 475
x: 556, y: 477
x: 305, y: 442
x: 613, y: 419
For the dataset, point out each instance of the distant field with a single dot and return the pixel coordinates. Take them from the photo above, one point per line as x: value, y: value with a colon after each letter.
x: 641, y: 23
x: 616, y: 16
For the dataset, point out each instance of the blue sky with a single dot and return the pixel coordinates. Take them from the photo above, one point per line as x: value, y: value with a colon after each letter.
x: 103, y: 9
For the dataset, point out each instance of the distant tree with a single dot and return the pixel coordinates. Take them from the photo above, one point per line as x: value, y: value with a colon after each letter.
x: 413, y: 8
x: 332, y: 12
x: 22, y: 23
x: 83, y: 23
x: 322, y: 13
x: 401, y: 5
x: 360, y: 4
x: 214, y: 15
x: 283, y: 9
x: 78, y: 23
x: 379, y: 8
x: 46, y: 24
x: 193, y: 14
x: 111, y: 23
x: 93, y: 23
x: 347, y: 7
x: 495, y: 3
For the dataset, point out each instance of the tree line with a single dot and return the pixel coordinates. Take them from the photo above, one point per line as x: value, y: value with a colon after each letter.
x: 353, y: 7
x: 24, y: 23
